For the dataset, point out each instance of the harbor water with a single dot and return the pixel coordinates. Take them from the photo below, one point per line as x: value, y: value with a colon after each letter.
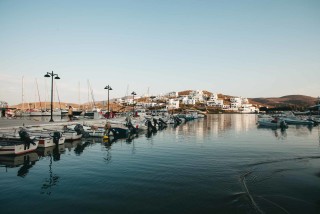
x: 220, y: 164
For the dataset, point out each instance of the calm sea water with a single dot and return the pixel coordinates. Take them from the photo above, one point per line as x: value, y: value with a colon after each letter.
x: 221, y: 164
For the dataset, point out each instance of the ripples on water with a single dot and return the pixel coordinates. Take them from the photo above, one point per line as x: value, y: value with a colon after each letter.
x: 222, y: 164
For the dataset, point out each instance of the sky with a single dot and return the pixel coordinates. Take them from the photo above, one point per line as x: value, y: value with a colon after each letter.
x: 248, y: 48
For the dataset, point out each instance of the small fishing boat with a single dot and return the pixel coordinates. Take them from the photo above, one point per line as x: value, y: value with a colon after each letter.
x: 56, y: 139
x: 73, y: 132
x: 16, y: 146
x: 275, y: 123
x: 94, y: 131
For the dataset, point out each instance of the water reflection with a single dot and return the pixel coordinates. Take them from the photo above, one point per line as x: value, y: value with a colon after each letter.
x: 69, y: 145
x: 264, y: 176
x: 282, y: 135
x: 79, y: 148
x: 319, y: 134
x: 26, y: 161
x: 218, y: 125
x: 53, y: 153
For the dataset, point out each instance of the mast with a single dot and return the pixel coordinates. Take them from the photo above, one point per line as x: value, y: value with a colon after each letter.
x: 38, y: 94
x: 93, y: 101
x: 45, y: 95
x: 22, y: 106
x: 35, y: 98
x: 79, y: 94
x: 58, y: 95
x: 88, y: 93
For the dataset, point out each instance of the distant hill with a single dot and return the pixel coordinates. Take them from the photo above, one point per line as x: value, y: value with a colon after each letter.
x: 289, y: 100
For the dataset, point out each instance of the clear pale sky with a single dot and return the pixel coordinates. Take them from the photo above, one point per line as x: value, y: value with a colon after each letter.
x: 246, y: 48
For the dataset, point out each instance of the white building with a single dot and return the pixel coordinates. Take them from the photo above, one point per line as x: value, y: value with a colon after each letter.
x: 215, y: 102
x: 188, y: 101
x: 248, y: 108
x: 213, y: 97
x: 198, y: 96
x: 173, y: 104
x: 172, y: 94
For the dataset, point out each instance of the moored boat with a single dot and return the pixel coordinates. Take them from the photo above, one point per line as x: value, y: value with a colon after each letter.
x: 15, y: 146
x: 11, y: 146
x: 275, y: 123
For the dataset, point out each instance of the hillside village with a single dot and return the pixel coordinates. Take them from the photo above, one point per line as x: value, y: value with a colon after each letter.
x: 189, y: 99
x: 202, y: 100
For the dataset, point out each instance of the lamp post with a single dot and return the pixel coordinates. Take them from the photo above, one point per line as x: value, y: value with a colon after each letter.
x: 108, y: 87
x: 133, y: 93
x: 57, y: 78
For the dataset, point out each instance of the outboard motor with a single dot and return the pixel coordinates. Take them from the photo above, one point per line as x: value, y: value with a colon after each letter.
x: 177, y: 120
x: 155, y: 122
x: 151, y: 128
x: 131, y: 128
x: 119, y: 133
x: 56, y: 137
x: 283, y: 125
x: 25, y: 137
x: 162, y: 121
x: 162, y: 124
x: 79, y: 129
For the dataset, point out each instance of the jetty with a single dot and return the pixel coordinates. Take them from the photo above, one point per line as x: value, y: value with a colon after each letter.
x: 8, y: 123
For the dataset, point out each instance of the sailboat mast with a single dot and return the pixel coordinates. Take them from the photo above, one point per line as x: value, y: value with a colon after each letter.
x: 79, y: 94
x: 38, y: 94
x: 93, y: 101
x: 88, y: 93
x: 22, y: 95
x: 35, y: 98
x: 58, y: 95
x: 45, y: 95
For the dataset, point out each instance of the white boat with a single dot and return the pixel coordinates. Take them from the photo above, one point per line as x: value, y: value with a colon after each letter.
x: 55, y: 112
x: 291, y: 119
x: 274, y: 123
x: 16, y: 146
x: 48, y: 142
x: 94, y: 131
x: 36, y: 113
x: 46, y: 113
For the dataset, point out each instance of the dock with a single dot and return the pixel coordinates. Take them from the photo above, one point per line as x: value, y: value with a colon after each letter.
x: 13, y: 123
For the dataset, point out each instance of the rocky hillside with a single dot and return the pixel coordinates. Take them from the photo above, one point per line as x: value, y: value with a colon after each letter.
x: 289, y: 100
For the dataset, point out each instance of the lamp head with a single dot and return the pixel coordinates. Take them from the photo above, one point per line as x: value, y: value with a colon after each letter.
x: 47, y: 75
x: 133, y: 93
x: 57, y: 78
x: 108, y: 87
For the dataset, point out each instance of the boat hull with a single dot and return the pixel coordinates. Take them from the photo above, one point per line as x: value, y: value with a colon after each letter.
x: 16, y: 147
x: 48, y: 142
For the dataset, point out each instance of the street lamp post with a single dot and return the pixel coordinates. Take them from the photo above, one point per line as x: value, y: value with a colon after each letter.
x: 133, y: 93
x: 108, y: 87
x: 57, y: 78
